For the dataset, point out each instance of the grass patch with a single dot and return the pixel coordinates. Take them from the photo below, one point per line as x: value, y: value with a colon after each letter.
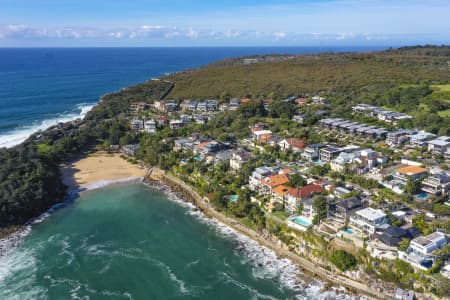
x: 444, y: 113
x: 281, y: 214
x: 441, y: 87
x: 44, y: 148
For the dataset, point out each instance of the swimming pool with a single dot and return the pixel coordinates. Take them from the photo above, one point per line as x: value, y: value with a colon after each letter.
x: 422, y: 196
x: 348, y: 231
x: 301, y: 221
x: 233, y: 198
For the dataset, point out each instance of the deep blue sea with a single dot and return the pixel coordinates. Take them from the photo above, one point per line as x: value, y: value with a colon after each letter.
x: 40, y: 87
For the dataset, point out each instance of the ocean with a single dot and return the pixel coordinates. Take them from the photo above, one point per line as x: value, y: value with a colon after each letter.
x: 40, y: 87
x: 131, y: 241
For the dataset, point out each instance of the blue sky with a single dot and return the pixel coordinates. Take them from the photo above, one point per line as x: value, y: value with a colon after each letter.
x: 223, y: 23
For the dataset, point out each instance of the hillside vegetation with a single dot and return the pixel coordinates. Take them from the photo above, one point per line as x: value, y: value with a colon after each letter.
x: 341, y: 74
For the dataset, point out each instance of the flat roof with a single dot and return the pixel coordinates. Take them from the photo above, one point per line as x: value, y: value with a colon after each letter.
x: 371, y: 213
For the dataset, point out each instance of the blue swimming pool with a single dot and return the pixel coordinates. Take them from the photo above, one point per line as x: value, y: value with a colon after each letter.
x: 233, y: 197
x: 422, y: 196
x: 301, y: 221
x: 348, y: 231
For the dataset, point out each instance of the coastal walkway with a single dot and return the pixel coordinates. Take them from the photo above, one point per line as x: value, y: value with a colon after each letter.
x: 188, y: 194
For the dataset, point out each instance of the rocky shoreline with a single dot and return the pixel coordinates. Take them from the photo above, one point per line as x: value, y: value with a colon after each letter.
x: 186, y: 192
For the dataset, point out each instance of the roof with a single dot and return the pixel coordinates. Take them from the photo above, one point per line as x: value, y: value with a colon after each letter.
x: 297, y: 143
x: 282, y: 190
x: 275, y: 180
x: 203, y: 144
x: 439, y: 142
x: 262, y: 132
x: 371, y: 213
x: 411, y: 170
x: 306, y: 191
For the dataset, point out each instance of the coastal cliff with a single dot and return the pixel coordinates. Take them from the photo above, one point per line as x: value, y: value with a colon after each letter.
x: 187, y: 193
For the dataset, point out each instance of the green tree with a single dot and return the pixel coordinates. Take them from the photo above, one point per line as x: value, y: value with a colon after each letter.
x: 343, y: 260
x: 403, y: 245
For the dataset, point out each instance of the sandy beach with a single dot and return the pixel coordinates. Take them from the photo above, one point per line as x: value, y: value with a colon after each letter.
x: 99, y: 169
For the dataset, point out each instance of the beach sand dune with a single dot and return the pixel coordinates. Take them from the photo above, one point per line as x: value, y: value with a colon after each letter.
x: 99, y: 167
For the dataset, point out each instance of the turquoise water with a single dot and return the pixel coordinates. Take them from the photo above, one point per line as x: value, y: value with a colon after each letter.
x: 349, y: 231
x: 131, y: 242
x: 301, y: 221
x: 422, y: 196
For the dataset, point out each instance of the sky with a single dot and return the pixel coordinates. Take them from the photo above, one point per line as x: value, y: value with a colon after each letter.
x: 61, y: 23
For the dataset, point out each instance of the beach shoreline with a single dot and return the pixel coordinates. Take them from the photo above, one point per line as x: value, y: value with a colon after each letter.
x: 98, y: 170
x: 81, y: 176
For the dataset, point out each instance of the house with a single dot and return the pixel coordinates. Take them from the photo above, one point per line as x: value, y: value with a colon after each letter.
x: 262, y: 136
x: 368, y: 220
x: 437, y: 184
x: 280, y: 193
x: 407, y: 173
x: 234, y: 104
x: 445, y: 271
x: 340, y: 211
x: 150, y: 126
x: 271, y: 182
x: 161, y: 120
x: 184, y: 105
x: 238, y: 159
x: 340, y: 192
x: 420, y: 250
x: 201, y: 106
x: 259, y: 173
x: 223, y: 156
x: 183, y: 144
x: 159, y: 105
x: 138, y: 106
x: 439, y: 145
x: 175, y: 124
x: 137, y: 125
x: 420, y: 139
x: 192, y: 106
x: 318, y: 100
x: 344, y: 158
x: 211, y: 105
x: 329, y: 153
x: 301, y: 101
x: 207, y: 147
x: 311, y: 152
x: 297, y: 195
x: 398, y: 137
x: 295, y: 145
x: 401, y: 294
x: 299, y: 118
x: 368, y: 160
x: 394, y: 235
x: 224, y: 107
x: 171, y: 106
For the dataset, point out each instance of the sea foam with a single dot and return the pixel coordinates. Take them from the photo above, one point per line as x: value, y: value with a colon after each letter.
x: 20, y: 134
x: 266, y: 264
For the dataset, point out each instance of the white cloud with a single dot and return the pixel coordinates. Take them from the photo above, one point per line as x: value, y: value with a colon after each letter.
x: 158, y: 33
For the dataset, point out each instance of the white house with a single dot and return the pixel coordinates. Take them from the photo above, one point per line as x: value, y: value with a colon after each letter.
x: 150, y: 126
x: 419, y: 252
x: 439, y: 145
x: 368, y: 220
